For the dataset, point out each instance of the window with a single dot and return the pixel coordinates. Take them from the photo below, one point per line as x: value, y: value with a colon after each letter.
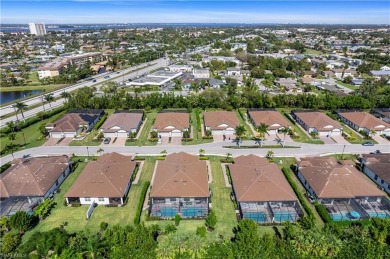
x: 376, y: 177
x: 173, y: 199
x: 87, y: 199
x: 382, y: 182
x: 56, y: 182
x: 100, y: 199
x: 186, y: 199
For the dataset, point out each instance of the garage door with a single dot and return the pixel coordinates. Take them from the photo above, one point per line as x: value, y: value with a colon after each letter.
x: 69, y: 134
x: 229, y: 132
x: 217, y: 132
x: 336, y: 133
x: 324, y: 133
x: 163, y: 134
x: 273, y: 132
x: 176, y: 134
x: 122, y: 135
x: 55, y: 135
x: 109, y: 135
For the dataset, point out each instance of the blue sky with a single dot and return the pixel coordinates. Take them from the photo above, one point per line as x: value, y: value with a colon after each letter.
x: 128, y: 11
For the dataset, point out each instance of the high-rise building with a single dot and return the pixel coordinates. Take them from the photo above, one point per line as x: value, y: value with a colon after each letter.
x: 37, y: 28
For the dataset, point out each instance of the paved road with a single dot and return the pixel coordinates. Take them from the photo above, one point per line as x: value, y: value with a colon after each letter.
x: 210, y: 148
x: 118, y: 77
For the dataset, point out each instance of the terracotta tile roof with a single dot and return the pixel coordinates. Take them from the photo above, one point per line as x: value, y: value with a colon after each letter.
x: 71, y: 121
x: 273, y: 119
x: 177, y: 120
x: 217, y: 119
x: 180, y: 175
x: 365, y: 120
x: 255, y: 179
x: 329, y: 179
x: 125, y: 121
x: 379, y: 164
x: 108, y: 176
x: 33, y: 176
x: 318, y: 120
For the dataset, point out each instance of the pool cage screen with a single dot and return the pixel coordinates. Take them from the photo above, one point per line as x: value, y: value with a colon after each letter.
x: 185, y: 207
x: 271, y: 212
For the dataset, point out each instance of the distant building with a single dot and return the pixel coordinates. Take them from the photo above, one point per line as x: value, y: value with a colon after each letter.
x: 201, y: 73
x: 37, y: 28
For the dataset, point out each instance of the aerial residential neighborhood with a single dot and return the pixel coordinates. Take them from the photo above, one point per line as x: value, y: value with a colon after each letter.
x: 194, y: 129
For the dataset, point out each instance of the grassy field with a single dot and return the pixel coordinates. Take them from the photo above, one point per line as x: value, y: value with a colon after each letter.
x: 352, y: 87
x: 89, y: 139
x: 248, y: 133
x: 31, y: 134
x: 76, y: 216
x: 197, y: 136
x: 313, y: 51
x: 45, y: 88
x: 143, y: 138
x: 356, y: 138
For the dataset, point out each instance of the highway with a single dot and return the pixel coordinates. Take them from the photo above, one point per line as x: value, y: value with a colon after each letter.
x: 215, y: 148
x: 118, y: 76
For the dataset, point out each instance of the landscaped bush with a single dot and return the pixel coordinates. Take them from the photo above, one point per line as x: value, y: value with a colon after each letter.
x: 5, y: 167
x: 322, y: 212
x: 228, y: 174
x: 201, y: 231
x: 204, y: 158
x: 139, y: 158
x: 160, y: 158
x: 177, y: 220
x: 153, y: 139
x: 224, y: 160
x: 141, y: 202
x: 207, y: 137
x: 76, y: 204
x: 300, y: 196
x: 187, y: 139
x: 199, y: 124
x: 134, y: 175
x: 100, y: 122
x: 170, y: 228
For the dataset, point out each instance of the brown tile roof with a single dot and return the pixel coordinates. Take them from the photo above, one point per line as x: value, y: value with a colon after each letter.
x: 365, y: 120
x: 125, y: 121
x: 329, y: 179
x: 70, y: 122
x: 379, y: 164
x: 318, y: 120
x: 255, y: 179
x: 216, y: 119
x: 108, y: 176
x: 33, y: 176
x: 270, y: 118
x: 180, y: 175
x: 178, y: 120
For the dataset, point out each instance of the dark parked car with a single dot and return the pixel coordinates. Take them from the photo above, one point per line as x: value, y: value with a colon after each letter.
x: 106, y: 77
x: 94, y: 81
x: 106, y: 140
x: 376, y: 152
x: 368, y: 143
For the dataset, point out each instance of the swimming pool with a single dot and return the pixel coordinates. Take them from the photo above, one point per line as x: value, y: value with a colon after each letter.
x: 194, y: 212
x: 168, y: 212
x: 382, y: 215
x: 255, y: 216
x: 284, y: 216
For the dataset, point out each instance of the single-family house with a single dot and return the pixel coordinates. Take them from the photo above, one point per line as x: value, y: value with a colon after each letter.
x: 262, y: 192
x: 180, y: 186
x: 105, y: 181
x: 221, y: 123
x: 73, y: 123
x: 172, y: 124
x: 30, y: 180
x: 201, y: 73
x: 346, y: 193
x: 121, y: 124
x: 341, y: 73
x: 313, y: 121
x: 380, y: 73
x: 376, y: 166
x: 236, y: 71
x: 273, y: 119
x: 309, y: 73
x: 363, y: 121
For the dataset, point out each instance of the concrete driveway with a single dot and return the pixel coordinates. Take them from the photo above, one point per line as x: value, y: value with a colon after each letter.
x: 340, y: 139
x: 174, y: 141
x: 380, y: 140
x: 53, y: 142
x: 327, y: 140
x: 120, y: 142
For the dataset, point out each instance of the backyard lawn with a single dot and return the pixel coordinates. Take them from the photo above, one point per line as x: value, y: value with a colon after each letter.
x: 32, y: 135
x: 248, y: 133
x: 197, y: 136
x: 352, y: 87
x: 76, y: 216
x: 144, y: 136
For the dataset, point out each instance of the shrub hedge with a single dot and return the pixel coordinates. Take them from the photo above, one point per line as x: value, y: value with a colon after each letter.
x: 141, y: 203
x: 100, y: 122
x: 322, y: 212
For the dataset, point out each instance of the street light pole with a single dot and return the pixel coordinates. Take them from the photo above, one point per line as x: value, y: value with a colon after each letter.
x: 342, y: 154
x: 88, y: 153
x: 24, y: 138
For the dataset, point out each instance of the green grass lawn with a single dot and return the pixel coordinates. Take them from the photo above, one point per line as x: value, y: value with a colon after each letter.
x: 248, y: 133
x: 352, y: 87
x: 356, y: 138
x: 45, y: 88
x: 89, y: 139
x: 313, y: 51
x: 197, y: 136
x: 143, y: 138
x: 31, y: 134
x: 76, y: 216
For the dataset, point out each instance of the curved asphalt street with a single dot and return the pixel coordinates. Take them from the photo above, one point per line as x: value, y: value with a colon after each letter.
x: 210, y: 148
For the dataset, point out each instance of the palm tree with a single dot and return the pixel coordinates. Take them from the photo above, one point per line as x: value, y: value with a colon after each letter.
x: 100, y: 150
x: 240, y: 131
x: 270, y: 154
x: 65, y: 95
x: 285, y: 131
x: 195, y: 87
x: 228, y: 156
x: 20, y: 106
x: 49, y: 98
x: 372, y: 133
x: 262, y: 129
x: 11, y: 125
x: 164, y: 153
x: 201, y: 152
